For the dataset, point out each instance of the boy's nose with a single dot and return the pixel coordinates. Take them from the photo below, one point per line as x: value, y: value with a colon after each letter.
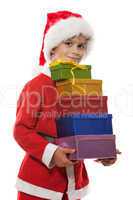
x: 75, y: 51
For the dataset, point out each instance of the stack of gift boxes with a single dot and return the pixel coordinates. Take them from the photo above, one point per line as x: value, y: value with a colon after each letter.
x: 82, y: 119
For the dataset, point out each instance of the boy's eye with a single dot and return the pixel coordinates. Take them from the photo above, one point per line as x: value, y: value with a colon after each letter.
x: 82, y: 46
x: 68, y: 43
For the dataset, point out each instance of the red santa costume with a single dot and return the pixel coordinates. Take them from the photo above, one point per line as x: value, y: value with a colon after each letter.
x: 35, y: 127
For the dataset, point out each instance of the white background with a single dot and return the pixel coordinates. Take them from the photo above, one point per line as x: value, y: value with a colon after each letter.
x: 21, y: 28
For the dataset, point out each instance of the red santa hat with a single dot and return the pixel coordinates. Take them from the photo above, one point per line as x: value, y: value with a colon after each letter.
x: 60, y: 26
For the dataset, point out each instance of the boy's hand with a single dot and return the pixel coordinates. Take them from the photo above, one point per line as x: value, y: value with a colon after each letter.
x: 60, y: 157
x: 108, y: 161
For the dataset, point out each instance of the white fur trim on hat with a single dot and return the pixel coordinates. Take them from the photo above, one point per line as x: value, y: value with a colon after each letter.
x: 63, y: 30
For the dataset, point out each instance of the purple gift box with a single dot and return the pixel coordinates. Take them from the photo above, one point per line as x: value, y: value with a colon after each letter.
x: 89, y: 146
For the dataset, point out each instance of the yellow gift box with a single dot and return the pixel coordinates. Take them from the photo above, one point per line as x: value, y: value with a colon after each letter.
x: 79, y: 87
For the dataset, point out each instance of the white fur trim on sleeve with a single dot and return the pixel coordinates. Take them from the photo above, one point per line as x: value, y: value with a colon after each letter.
x: 48, y: 154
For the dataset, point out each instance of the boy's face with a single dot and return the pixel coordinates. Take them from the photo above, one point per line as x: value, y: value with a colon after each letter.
x: 73, y: 49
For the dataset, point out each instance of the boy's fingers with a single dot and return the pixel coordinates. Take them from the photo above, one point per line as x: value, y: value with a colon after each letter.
x: 75, y: 161
x: 67, y: 162
x: 68, y: 150
x: 105, y: 160
x: 118, y: 152
x: 98, y: 160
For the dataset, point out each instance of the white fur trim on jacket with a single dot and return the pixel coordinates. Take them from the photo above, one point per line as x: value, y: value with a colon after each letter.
x: 48, y: 154
x: 63, y: 30
x: 71, y: 191
x: 41, y: 69
x: 37, y: 191
x: 46, y: 70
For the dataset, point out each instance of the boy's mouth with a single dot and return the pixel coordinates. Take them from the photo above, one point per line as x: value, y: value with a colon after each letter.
x: 77, y: 59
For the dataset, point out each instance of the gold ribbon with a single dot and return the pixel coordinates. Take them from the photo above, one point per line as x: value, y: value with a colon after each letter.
x: 59, y: 61
x: 56, y: 62
x: 73, y: 78
x: 75, y: 66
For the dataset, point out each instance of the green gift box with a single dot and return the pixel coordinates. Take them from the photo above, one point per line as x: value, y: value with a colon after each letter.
x: 69, y: 70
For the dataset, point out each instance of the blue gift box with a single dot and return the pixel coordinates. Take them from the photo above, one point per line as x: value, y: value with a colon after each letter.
x: 84, y: 124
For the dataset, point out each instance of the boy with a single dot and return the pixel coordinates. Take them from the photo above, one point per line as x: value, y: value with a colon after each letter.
x: 46, y: 172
